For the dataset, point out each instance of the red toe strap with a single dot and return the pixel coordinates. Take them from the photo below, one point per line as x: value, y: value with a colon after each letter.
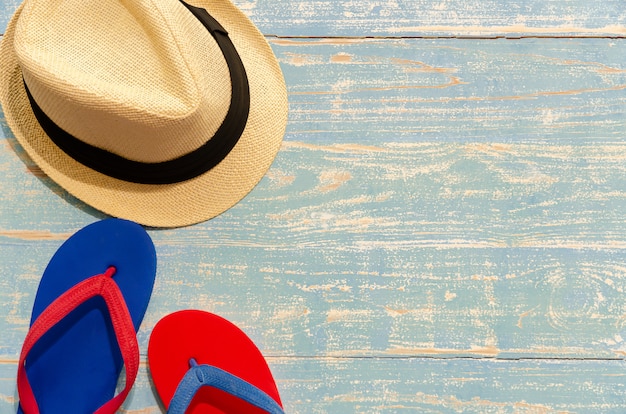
x: 99, y: 285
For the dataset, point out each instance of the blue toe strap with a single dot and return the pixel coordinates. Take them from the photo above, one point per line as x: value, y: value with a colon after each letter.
x: 199, y: 376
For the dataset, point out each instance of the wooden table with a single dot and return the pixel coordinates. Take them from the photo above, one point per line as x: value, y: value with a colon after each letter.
x: 443, y: 230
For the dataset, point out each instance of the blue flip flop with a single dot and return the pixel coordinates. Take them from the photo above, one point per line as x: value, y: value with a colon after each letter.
x: 90, y: 302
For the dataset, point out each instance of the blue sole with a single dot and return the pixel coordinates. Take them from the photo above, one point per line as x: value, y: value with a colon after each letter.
x: 74, y: 368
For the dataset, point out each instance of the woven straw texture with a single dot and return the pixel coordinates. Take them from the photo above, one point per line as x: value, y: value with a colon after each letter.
x: 143, y: 79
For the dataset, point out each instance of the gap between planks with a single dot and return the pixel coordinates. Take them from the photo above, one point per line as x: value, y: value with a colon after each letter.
x: 269, y: 358
x: 444, y: 37
x: 448, y: 37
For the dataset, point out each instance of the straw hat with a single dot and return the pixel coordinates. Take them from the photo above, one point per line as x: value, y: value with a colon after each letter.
x: 129, y: 104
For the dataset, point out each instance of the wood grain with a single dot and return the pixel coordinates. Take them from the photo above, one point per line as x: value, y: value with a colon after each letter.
x: 331, y: 385
x: 447, y: 18
x: 533, y: 90
x: 426, y: 18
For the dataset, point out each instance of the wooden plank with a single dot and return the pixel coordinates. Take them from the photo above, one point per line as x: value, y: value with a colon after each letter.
x: 325, y: 18
x: 314, y: 385
x: 380, y: 240
x: 446, y: 18
x: 433, y: 201
x: 342, y: 282
x: 534, y: 90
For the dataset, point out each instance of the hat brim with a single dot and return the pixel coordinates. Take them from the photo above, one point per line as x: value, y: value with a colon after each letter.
x: 169, y: 205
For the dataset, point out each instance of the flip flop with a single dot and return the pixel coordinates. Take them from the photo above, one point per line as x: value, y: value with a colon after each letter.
x: 202, y: 363
x: 88, y: 308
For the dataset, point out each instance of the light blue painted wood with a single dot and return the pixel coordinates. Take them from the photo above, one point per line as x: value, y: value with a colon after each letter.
x: 532, y: 90
x: 323, y: 18
x: 438, y: 18
x: 441, y: 263
x: 316, y: 385
x: 439, y: 210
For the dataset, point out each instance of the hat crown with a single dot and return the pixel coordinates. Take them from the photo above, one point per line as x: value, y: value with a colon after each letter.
x: 139, y: 78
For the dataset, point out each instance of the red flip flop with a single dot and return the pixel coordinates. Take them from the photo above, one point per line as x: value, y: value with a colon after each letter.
x: 202, y: 363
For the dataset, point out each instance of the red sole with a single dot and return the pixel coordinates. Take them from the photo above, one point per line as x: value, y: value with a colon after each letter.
x: 211, y: 340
